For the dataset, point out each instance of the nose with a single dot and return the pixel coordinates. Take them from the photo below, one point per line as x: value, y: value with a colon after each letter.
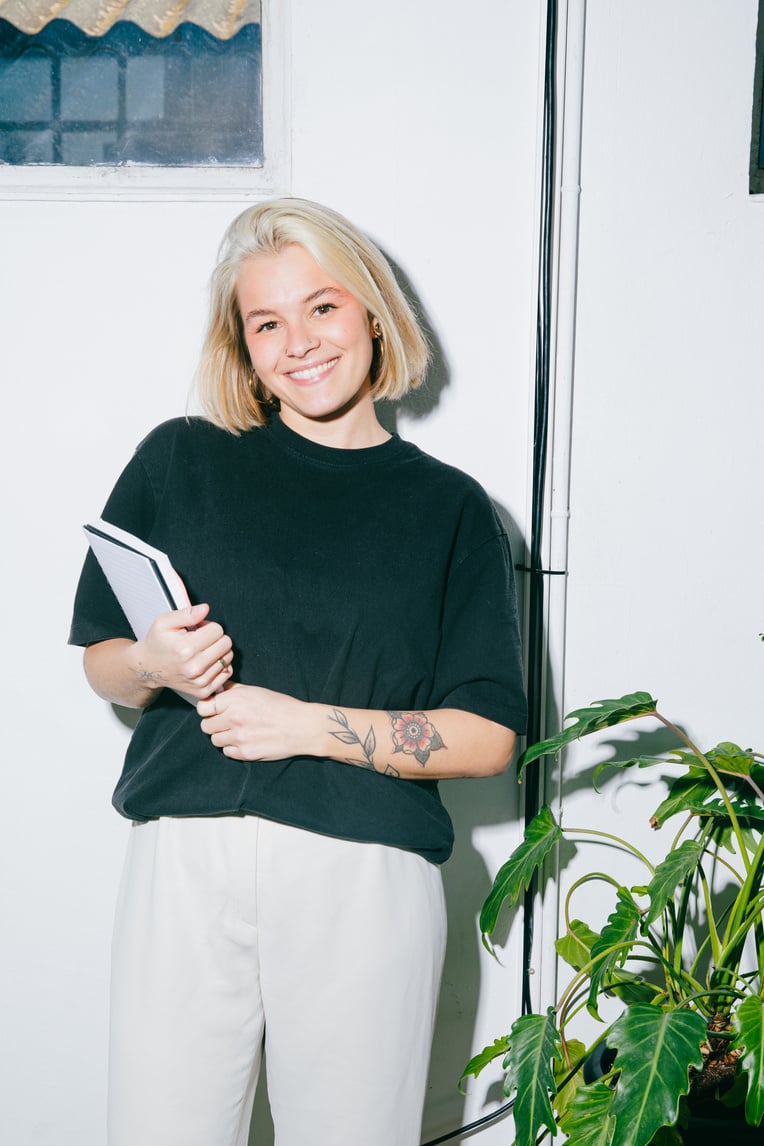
x: 300, y: 340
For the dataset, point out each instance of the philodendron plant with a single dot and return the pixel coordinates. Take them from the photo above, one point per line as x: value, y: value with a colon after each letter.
x: 682, y: 951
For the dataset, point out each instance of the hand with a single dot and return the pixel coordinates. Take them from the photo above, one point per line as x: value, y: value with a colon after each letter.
x: 251, y: 723
x: 184, y: 651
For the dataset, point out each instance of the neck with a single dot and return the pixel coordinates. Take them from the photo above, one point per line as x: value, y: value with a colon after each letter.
x: 355, y: 429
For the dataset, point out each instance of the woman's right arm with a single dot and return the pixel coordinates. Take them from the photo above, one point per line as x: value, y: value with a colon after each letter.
x: 182, y: 650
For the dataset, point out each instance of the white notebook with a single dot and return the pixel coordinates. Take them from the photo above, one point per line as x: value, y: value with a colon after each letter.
x: 142, y: 577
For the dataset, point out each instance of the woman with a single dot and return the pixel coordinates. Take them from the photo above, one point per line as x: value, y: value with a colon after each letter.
x: 356, y: 642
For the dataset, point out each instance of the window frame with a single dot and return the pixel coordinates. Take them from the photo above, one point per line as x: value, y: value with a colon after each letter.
x: 756, y: 168
x: 146, y: 183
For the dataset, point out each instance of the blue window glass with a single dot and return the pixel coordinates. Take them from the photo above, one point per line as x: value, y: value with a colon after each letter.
x: 187, y: 99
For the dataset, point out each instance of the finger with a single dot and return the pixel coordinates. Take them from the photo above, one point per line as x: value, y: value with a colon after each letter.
x: 215, y: 679
x: 208, y: 708
x: 191, y: 617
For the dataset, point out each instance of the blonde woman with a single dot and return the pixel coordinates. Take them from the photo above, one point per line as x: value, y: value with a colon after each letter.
x: 354, y: 641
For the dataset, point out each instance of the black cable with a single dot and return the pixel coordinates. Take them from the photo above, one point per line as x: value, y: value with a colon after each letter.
x: 536, y: 588
x: 536, y: 619
x: 494, y: 1114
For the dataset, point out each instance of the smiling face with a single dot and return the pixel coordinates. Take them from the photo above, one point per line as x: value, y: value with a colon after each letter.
x: 310, y: 344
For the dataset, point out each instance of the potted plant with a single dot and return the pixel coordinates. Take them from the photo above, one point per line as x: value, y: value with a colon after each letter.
x: 682, y: 955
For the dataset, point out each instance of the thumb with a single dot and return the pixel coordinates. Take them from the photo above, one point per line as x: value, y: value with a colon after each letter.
x: 193, y: 615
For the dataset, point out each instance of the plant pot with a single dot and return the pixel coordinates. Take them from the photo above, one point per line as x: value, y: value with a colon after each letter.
x: 721, y: 1132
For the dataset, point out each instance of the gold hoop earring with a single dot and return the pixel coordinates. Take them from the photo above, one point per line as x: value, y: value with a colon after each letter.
x: 261, y: 395
x: 377, y: 335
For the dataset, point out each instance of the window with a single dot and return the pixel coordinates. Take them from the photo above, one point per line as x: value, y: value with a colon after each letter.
x: 126, y: 100
x: 756, y: 182
x: 128, y: 97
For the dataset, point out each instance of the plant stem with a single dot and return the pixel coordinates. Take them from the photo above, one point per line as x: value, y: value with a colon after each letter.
x: 616, y: 839
x: 716, y: 779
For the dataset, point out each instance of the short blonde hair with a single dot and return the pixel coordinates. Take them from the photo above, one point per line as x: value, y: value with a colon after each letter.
x: 230, y: 394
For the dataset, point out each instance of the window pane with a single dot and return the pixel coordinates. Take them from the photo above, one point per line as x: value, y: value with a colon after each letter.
x: 89, y: 88
x: 23, y: 147
x: 85, y: 148
x: 145, y: 89
x: 25, y: 89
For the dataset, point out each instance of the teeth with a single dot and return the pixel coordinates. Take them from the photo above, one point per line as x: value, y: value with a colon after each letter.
x: 313, y: 372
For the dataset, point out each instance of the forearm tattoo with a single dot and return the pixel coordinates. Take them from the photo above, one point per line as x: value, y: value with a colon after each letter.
x: 348, y: 736
x: 415, y: 735
x: 412, y: 733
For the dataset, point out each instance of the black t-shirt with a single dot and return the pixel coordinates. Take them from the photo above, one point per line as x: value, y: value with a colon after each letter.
x: 374, y: 578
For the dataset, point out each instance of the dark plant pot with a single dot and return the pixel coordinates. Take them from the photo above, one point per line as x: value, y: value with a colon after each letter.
x: 733, y: 1131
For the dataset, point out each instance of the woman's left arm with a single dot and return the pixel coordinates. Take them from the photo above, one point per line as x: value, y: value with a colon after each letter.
x: 250, y: 723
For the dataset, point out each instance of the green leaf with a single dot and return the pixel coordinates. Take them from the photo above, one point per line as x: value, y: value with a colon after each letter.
x: 622, y: 927
x: 566, y: 1087
x: 487, y: 1055
x: 669, y: 874
x: 515, y: 875
x: 656, y: 1048
x: 601, y: 714
x: 687, y: 794
x: 749, y: 1021
x: 630, y: 987
x: 745, y: 810
x: 692, y: 792
x: 730, y: 759
x: 534, y: 1047
x: 587, y: 1120
x: 575, y: 946
x: 667, y: 1136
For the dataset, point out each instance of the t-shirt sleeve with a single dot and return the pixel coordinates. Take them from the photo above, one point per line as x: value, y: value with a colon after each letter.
x: 97, y: 614
x: 479, y: 666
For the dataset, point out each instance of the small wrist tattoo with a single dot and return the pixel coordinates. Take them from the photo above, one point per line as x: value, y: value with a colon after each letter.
x: 348, y: 736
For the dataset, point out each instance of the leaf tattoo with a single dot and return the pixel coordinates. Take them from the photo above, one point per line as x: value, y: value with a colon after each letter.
x: 348, y: 736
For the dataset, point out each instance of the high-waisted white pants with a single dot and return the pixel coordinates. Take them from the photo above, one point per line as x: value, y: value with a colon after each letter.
x: 232, y: 929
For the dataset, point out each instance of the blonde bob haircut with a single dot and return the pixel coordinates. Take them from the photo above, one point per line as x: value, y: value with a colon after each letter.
x: 230, y: 393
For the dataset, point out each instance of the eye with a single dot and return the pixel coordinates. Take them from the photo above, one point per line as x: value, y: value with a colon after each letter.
x: 324, y: 308
x: 266, y: 326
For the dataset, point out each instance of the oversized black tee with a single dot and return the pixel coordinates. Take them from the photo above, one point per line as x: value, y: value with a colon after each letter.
x: 373, y: 578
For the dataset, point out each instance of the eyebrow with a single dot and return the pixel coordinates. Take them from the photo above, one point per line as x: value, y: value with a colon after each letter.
x: 305, y: 302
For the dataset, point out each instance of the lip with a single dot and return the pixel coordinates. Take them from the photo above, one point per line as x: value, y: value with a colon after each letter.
x: 316, y: 372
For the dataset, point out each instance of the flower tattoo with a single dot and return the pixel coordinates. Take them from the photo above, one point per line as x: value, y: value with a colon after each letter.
x: 415, y: 735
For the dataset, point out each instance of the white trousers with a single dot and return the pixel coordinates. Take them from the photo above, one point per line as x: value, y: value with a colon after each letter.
x: 234, y: 929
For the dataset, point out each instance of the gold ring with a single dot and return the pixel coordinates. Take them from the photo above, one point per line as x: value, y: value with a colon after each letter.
x: 223, y: 665
x: 215, y: 703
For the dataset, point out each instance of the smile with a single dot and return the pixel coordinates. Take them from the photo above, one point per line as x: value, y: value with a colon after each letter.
x: 313, y: 372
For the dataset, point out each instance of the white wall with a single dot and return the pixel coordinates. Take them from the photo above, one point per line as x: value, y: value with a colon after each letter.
x: 667, y: 501
x: 421, y: 125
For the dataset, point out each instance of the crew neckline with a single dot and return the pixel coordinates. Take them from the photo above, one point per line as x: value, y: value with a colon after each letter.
x: 331, y: 455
